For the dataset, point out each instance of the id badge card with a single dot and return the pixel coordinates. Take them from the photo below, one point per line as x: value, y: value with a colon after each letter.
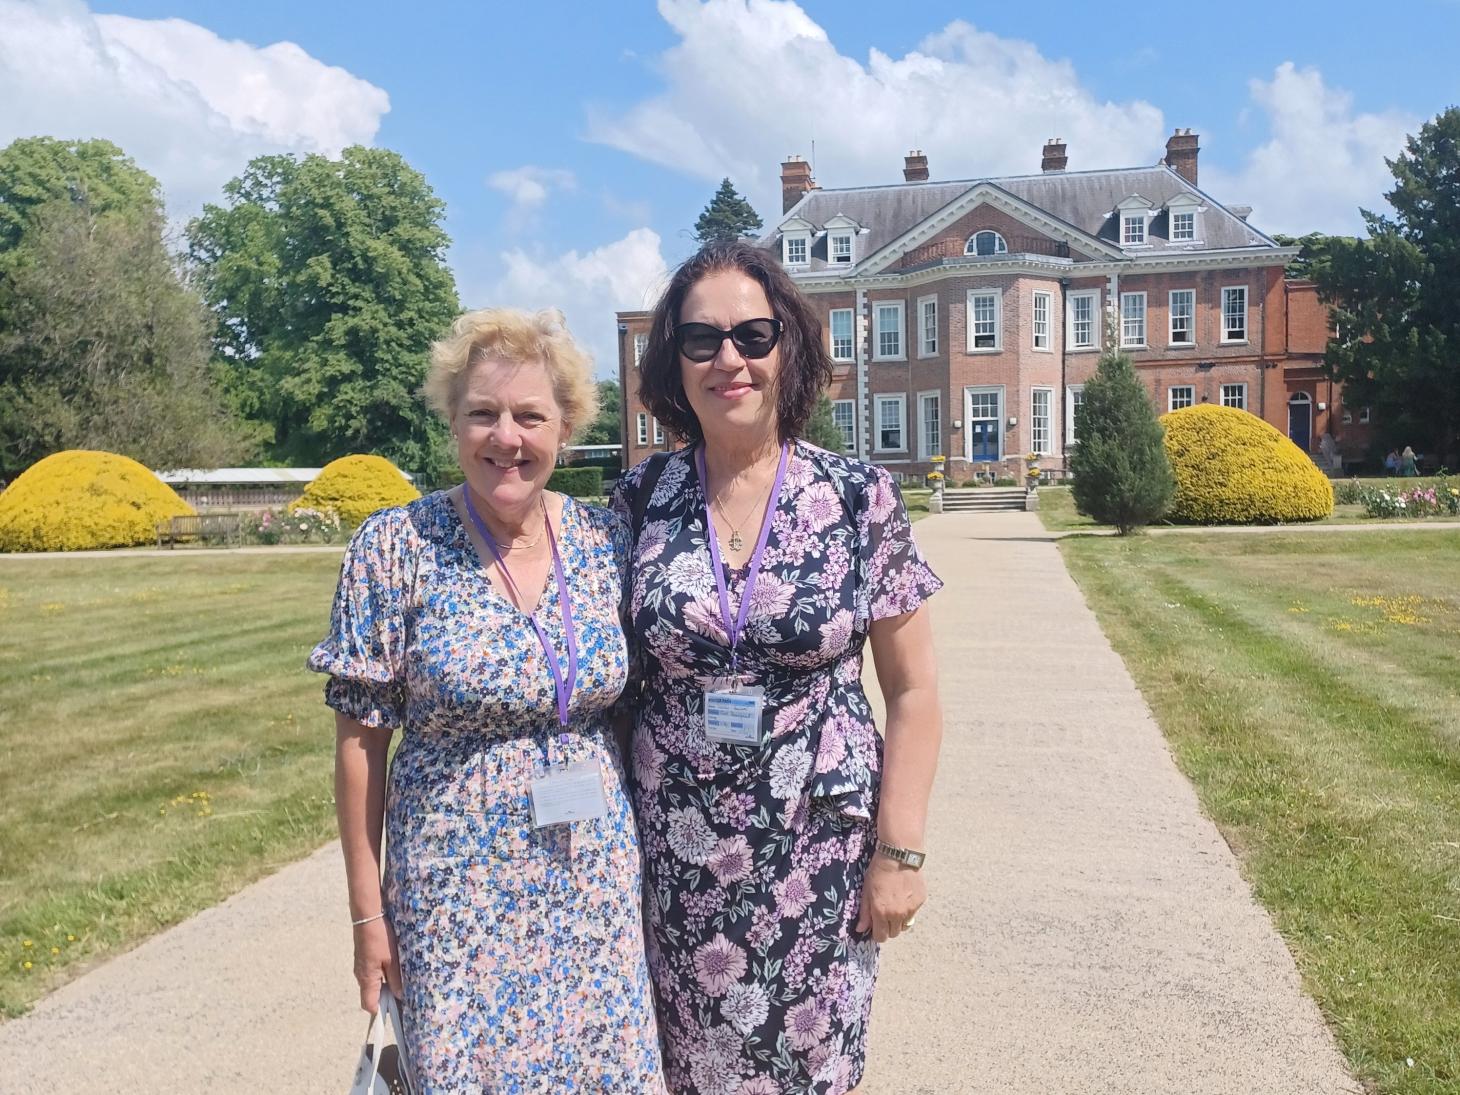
x: 574, y: 793
x: 732, y: 714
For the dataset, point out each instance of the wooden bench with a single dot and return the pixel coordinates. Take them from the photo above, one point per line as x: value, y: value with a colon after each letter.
x: 208, y: 527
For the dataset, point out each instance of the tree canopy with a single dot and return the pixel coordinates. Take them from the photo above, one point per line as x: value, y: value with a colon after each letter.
x: 1122, y: 476
x: 1395, y: 297
x: 329, y: 283
x: 727, y: 217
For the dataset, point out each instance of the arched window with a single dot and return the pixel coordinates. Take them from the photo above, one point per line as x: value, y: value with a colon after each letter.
x: 986, y: 242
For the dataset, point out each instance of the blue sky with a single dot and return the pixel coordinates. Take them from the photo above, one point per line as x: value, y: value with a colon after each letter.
x: 575, y: 143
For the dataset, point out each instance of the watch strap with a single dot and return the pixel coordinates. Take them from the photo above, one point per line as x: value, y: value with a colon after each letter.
x: 906, y: 856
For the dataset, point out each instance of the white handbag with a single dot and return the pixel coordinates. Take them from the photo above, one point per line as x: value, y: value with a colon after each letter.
x: 383, y: 1067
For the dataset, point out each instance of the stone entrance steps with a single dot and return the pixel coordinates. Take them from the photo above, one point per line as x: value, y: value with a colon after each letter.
x: 983, y: 499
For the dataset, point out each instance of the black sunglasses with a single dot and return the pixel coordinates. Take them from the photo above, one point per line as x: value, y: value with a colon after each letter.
x: 754, y: 339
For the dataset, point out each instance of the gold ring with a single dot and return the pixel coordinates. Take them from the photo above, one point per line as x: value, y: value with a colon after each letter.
x: 910, y: 922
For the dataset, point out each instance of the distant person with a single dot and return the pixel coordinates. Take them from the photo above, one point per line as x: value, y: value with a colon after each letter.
x: 483, y: 623
x: 1332, y: 459
x: 1391, y: 462
x: 1408, y: 462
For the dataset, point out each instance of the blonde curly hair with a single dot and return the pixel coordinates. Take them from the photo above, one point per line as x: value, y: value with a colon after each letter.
x: 512, y: 336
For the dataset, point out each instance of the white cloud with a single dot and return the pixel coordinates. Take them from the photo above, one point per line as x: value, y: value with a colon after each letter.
x: 528, y: 186
x: 1323, y: 161
x: 751, y: 81
x: 190, y: 107
x: 626, y: 274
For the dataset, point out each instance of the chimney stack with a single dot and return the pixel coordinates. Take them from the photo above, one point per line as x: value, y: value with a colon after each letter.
x: 1054, y: 156
x: 915, y: 167
x: 796, y: 180
x: 1181, y: 151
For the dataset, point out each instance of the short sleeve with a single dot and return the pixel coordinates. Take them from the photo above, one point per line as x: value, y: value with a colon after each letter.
x: 364, y: 652
x: 895, y: 578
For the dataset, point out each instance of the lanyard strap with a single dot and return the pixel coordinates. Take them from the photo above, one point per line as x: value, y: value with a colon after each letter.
x: 733, y: 628
x: 563, y: 689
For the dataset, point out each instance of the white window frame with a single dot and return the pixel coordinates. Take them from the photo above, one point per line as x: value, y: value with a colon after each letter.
x: 972, y: 335
x: 804, y: 238
x: 1001, y: 247
x: 849, y: 443
x: 643, y: 428
x: 1074, y: 394
x: 1093, y: 296
x: 1348, y: 416
x: 641, y: 343
x: 832, y: 257
x: 1041, y: 295
x: 879, y: 309
x: 1172, y: 221
x: 1128, y: 222
x: 925, y: 450
x: 878, y: 402
x: 1190, y: 389
x: 658, y: 432
x: 1227, y: 339
x: 1364, y: 417
x: 1190, y: 317
x: 851, y: 336
x: 1047, y: 448
x: 1125, y: 341
x: 1239, y: 391
x: 927, y: 347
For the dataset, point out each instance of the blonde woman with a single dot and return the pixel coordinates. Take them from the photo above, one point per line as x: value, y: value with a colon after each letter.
x: 482, y: 622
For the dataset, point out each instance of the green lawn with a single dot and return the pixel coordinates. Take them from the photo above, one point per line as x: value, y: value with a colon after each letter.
x: 160, y: 746
x: 1310, y: 688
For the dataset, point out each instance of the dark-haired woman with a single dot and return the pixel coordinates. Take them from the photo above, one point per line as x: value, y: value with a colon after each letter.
x: 783, y: 842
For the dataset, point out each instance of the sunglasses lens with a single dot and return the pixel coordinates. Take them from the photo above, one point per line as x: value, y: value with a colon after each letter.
x: 755, y: 338
x: 698, y: 341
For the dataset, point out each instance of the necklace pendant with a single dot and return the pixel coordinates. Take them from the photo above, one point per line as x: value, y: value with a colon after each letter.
x: 736, y: 543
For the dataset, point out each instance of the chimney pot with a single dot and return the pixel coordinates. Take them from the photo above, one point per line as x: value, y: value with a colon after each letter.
x: 915, y: 167
x: 1182, y: 148
x: 796, y: 180
x: 1054, y: 158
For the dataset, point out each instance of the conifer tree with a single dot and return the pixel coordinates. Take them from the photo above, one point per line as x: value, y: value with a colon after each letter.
x: 727, y: 217
x: 1121, y: 474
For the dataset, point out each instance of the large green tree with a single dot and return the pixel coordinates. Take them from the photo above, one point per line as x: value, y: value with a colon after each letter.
x: 1121, y: 474
x: 727, y: 217
x: 1395, y: 297
x: 329, y: 282
x: 821, y: 428
x: 37, y: 171
x: 606, y: 428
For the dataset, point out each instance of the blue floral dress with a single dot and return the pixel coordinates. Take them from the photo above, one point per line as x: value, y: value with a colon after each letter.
x: 755, y: 855
x: 522, y: 949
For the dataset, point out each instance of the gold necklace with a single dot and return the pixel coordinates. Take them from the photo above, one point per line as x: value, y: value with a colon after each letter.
x: 735, y: 542
x: 511, y: 546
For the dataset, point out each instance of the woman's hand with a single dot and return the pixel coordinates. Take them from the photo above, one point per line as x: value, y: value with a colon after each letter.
x: 376, y: 960
x: 891, y: 895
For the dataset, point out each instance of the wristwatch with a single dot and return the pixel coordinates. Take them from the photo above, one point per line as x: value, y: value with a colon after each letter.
x: 906, y: 856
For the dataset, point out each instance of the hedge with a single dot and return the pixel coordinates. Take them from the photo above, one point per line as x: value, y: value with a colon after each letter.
x: 579, y: 481
x: 355, y: 487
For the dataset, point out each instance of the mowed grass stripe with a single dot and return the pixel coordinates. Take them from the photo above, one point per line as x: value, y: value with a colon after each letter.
x: 1341, y: 804
x: 157, y: 751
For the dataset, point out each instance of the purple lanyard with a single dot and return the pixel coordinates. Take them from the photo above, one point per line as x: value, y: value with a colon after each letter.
x: 563, y: 690
x: 734, y: 628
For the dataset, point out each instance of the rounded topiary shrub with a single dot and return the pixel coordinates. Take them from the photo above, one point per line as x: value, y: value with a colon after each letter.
x: 75, y: 500
x: 355, y: 487
x: 1232, y: 468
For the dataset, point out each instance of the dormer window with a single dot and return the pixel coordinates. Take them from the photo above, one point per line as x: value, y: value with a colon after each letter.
x: 1132, y: 229
x: 796, y: 242
x: 986, y: 242
x: 1183, y: 226
x: 1183, y: 219
x: 796, y: 250
x: 841, y: 240
x: 839, y: 248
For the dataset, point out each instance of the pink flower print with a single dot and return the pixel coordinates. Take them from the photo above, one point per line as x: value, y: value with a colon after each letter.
x: 759, y: 1085
x: 799, y: 472
x: 806, y: 1024
x: 718, y: 964
x: 836, y: 633
x: 689, y: 574
x: 883, y: 498
x: 731, y: 860
x: 788, y: 718
x: 702, y: 616
x: 789, y: 770
x: 833, y: 748
x: 690, y: 835
x: 794, y: 894
x: 836, y: 1073
x: 745, y: 1007
x: 818, y: 506
x: 651, y: 541
x: 771, y: 598
x: 648, y: 763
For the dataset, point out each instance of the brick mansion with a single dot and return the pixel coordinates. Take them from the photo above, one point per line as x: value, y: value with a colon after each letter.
x: 963, y: 318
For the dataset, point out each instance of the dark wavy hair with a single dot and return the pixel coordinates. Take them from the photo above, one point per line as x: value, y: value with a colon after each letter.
x: 805, y: 369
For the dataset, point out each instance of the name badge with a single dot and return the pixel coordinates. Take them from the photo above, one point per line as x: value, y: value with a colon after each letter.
x: 574, y: 793
x: 733, y: 714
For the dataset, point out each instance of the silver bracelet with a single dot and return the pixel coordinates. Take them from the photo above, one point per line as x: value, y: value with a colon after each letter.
x: 378, y: 916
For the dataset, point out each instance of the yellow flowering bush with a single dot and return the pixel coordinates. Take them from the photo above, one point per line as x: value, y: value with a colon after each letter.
x: 77, y: 500
x: 1232, y: 468
x: 355, y: 487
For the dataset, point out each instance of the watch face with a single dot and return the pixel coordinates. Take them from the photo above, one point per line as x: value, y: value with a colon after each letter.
x: 915, y: 859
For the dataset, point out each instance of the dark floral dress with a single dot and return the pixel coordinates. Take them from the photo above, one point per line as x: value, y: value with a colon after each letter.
x: 755, y: 854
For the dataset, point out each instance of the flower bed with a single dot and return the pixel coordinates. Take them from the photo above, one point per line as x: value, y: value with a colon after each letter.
x: 1439, y: 500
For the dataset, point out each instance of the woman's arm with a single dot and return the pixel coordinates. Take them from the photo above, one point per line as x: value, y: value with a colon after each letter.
x: 360, y: 767
x: 902, y: 652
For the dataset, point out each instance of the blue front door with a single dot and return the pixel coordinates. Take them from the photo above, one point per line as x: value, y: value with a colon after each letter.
x: 1300, y: 423
x: 983, y: 435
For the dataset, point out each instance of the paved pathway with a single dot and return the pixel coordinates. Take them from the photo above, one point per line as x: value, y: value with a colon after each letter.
x: 1088, y: 932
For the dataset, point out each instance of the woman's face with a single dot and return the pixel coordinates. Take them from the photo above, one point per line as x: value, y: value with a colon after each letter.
x: 729, y: 392
x: 508, y: 428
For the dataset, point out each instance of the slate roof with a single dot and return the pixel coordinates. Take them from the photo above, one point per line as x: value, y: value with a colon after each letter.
x: 1084, y: 199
